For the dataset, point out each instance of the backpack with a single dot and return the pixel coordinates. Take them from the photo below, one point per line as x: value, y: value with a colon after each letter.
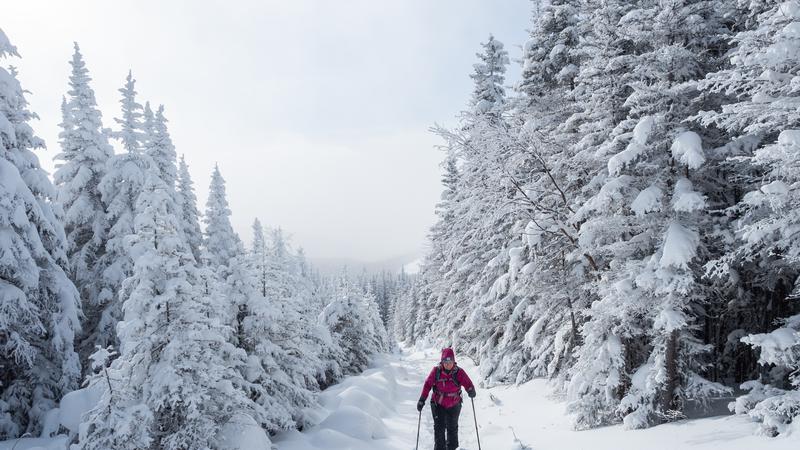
x: 453, y: 376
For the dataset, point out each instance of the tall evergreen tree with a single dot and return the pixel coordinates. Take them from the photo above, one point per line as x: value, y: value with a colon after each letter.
x: 643, y: 222
x: 488, y: 96
x: 120, y: 189
x: 161, y: 151
x: 39, y: 305
x: 759, y: 270
x: 220, y: 240
x: 471, y: 235
x: 84, y: 156
x: 222, y: 252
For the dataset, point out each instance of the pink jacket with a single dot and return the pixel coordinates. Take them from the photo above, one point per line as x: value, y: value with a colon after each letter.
x: 446, y: 392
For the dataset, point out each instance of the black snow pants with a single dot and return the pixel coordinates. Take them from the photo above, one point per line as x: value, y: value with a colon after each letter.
x: 445, y: 421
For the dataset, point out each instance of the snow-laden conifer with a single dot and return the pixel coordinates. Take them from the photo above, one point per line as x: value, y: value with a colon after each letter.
x: 120, y: 188
x: 353, y: 319
x: 84, y: 156
x: 549, y: 59
x: 190, y: 217
x: 161, y: 151
x: 767, y: 230
x: 284, y: 313
x: 759, y: 270
x: 177, y: 380
x: 488, y: 95
x: 219, y: 239
x: 39, y: 305
x: 654, y: 255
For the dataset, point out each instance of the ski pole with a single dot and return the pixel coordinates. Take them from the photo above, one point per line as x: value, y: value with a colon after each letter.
x: 418, y: 423
x: 476, y: 423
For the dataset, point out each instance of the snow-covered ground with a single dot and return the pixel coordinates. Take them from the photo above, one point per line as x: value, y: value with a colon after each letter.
x: 56, y: 443
x: 376, y: 411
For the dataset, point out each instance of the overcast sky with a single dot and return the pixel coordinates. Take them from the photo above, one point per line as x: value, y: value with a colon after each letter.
x: 316, y: 111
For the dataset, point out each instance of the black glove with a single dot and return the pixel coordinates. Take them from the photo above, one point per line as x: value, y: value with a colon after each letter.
x: 471, y: 393
x: 420, y: 404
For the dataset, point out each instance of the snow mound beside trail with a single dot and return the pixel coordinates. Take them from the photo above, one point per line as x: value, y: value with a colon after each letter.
x: 357, y: 398
x: 242, y: 433
x: 355, y: 422
x: 351, y: 414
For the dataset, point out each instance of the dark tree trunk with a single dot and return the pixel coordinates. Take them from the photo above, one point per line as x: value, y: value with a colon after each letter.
x: 671, y: 363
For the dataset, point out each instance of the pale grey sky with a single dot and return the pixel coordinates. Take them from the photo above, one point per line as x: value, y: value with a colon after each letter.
x: 316, y: 111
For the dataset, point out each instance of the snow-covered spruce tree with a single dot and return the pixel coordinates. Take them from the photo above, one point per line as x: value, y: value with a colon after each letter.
x: 375, y: 324
x: 488, y: 95
x: 563, y: 116
x: 549, y: 58
x: 220, y: 246
x: 767, y: 231
x: 279, y: 331
x: 238, y: 287
x: 39, y: 305
x: 158, y: 146
x: 597, y: 385
x: 177, y: 380
x: 508, y: 189
x: 354, y: 322
x: 644, y: 222
x: 594, y: 386
x: 190, y: 217
x: 760, y: 79
x: 476, y: 236
x: 760, y: 268
x: 219, y: 239
x: 85, y: 152
x: 541, y: 271
x: 519, y: 159
x: 120, y: 188
x: 262, y: 325
x: 253, y: 316
x: 322, y: 292
x: 375, y: 327
x: 292, y: 294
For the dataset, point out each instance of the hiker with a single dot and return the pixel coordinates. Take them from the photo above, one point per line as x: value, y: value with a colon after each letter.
x: 446, y: 380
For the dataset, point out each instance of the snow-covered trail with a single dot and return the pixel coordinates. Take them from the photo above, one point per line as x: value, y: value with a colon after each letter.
x: 372, y: 411
x: 377, y: 411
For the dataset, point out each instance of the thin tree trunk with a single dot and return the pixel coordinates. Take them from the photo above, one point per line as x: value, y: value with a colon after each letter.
x: 671, y: 366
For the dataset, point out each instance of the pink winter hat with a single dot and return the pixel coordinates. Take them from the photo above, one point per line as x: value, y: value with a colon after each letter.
x: 448, y: 354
